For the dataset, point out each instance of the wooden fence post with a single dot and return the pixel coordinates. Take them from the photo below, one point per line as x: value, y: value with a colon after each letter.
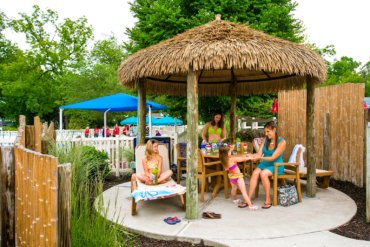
x: 326, y: 142
x: 64, y: 205
x: 30, y: 137
x: 367, y: 165
x: 310, y: 137
x: 37, y: 128
x: 7, y: 193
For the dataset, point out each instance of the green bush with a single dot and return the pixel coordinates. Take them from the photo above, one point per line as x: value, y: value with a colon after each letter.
x: 248, y: 134
x: 94, y: 163
x: 88, y: 222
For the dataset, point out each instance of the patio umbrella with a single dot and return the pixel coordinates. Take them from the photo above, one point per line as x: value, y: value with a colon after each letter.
x: 113, y: 103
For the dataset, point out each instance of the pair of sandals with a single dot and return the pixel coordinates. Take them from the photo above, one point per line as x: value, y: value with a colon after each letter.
x: 172, y: 220
x: 211, y: 215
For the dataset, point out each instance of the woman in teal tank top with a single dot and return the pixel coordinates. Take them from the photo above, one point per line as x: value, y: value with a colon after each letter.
x: 271, y: 152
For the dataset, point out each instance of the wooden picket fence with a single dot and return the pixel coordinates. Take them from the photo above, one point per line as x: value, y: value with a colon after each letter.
x: 339, y: 123
x: 36, y: 208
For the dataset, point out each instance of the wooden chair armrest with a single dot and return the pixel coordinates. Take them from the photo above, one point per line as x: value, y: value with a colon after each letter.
x: 286, y: 164
x: 181, y: 158
x: 212, y: 163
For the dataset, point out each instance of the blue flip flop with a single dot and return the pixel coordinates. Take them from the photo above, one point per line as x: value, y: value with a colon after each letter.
x: 172, y: 220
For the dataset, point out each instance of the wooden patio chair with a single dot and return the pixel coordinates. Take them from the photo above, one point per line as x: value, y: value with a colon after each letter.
x: 145, y: 192
x: 181, y: 159
x: 211, y: 169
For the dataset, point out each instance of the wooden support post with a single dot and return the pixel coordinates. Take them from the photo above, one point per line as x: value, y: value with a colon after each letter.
x: 7, y: 193
x: 366, y: 119
x: 141, y: 111
x: 192, y: 146
x: 38, y: 127
x: 64, y: 205
x: 232, y: 107
x: 310, y: 138
x: 30, y: 137
x: 367, y: 167
x: 326, y: 142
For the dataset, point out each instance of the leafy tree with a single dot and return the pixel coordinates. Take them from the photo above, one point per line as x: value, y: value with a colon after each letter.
x: 343, y: 70
x: 162, y: 19
x: 31, y: 81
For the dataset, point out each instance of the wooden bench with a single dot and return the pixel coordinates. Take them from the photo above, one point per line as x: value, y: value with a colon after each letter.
x: 322, y: 176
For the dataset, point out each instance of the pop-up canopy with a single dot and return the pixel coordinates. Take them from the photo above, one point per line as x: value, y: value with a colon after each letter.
x: 113, y: 103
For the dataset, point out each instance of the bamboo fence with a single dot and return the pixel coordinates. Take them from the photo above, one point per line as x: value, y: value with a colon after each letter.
x: 339, y: 124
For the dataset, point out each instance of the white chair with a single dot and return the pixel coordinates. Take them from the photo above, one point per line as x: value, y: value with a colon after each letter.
x: 170, y: 186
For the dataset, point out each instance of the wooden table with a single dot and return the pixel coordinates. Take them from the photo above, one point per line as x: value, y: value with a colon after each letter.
x: 215, y: 156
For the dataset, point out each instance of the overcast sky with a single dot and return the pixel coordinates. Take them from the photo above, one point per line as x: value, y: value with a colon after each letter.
x: 343, y: 23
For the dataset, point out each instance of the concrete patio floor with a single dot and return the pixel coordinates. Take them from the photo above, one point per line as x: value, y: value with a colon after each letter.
x: 303, y: 224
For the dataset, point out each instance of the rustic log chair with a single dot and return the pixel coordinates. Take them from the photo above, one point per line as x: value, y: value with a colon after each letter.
x: 181, y: 159
x: 291, y: 171
x: 211, y: 169
x: 136, y: 184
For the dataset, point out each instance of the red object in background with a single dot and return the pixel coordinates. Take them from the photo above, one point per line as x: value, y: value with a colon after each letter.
x: 365, y: 106
x: 108, y: 132
x: 116, y: 131
x: 275, y: 107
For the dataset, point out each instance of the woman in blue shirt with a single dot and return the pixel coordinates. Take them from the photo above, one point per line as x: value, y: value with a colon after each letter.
x: 271, y: 152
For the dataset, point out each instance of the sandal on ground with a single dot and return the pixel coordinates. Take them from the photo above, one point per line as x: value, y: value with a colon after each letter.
x: 242, y: 205
x: 211, y: 215
x: 172, y: 220
x: 266, y: 205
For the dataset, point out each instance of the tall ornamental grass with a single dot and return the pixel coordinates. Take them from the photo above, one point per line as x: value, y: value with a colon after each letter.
x: 89, y: 228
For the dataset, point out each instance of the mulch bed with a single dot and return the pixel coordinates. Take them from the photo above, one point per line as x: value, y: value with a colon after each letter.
x: 357, y: 228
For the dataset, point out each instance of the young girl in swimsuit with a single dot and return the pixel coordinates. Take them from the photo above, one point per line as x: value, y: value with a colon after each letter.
x: 151, y: 162
x: 235, y: 176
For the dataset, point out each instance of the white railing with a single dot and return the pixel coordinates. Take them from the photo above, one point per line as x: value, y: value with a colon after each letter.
x: 7, y: 138
x: 114, y: 147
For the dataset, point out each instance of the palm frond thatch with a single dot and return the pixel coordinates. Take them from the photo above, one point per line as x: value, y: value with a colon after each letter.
x: 221, y: 52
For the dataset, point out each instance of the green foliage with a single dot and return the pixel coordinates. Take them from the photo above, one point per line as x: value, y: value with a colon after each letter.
x: 89, y: 227
x: 344, y: 70
x: 94, y: 163
x: 248, y: 134
x: 162, y: 19
x: 129, y: 155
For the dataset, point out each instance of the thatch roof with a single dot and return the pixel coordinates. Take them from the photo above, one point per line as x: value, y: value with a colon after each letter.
x: 219, y: 51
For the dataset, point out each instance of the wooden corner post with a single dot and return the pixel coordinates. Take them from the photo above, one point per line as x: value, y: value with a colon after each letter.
x: 310, y: 138
x: 232, y: 107
x: 141, y: 111
x: 192, y: 146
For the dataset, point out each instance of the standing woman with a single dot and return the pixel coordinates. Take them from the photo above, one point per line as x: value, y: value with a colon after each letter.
x: 216, y: 129
x: 272, y: 152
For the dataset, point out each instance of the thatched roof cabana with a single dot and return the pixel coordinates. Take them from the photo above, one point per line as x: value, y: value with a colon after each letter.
x: 223, y: 58
x: 221, y: 50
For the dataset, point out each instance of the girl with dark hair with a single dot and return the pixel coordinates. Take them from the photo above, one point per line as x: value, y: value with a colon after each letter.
x: 272, y: 152
x: 215, y: 129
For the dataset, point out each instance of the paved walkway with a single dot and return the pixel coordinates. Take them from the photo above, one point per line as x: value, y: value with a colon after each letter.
x: 303, y: 224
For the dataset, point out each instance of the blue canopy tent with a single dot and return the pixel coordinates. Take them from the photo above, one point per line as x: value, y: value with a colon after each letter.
x: 155, y: 121
x: 133, y: 120
x: 169, y: 121
x: 113, y: 103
